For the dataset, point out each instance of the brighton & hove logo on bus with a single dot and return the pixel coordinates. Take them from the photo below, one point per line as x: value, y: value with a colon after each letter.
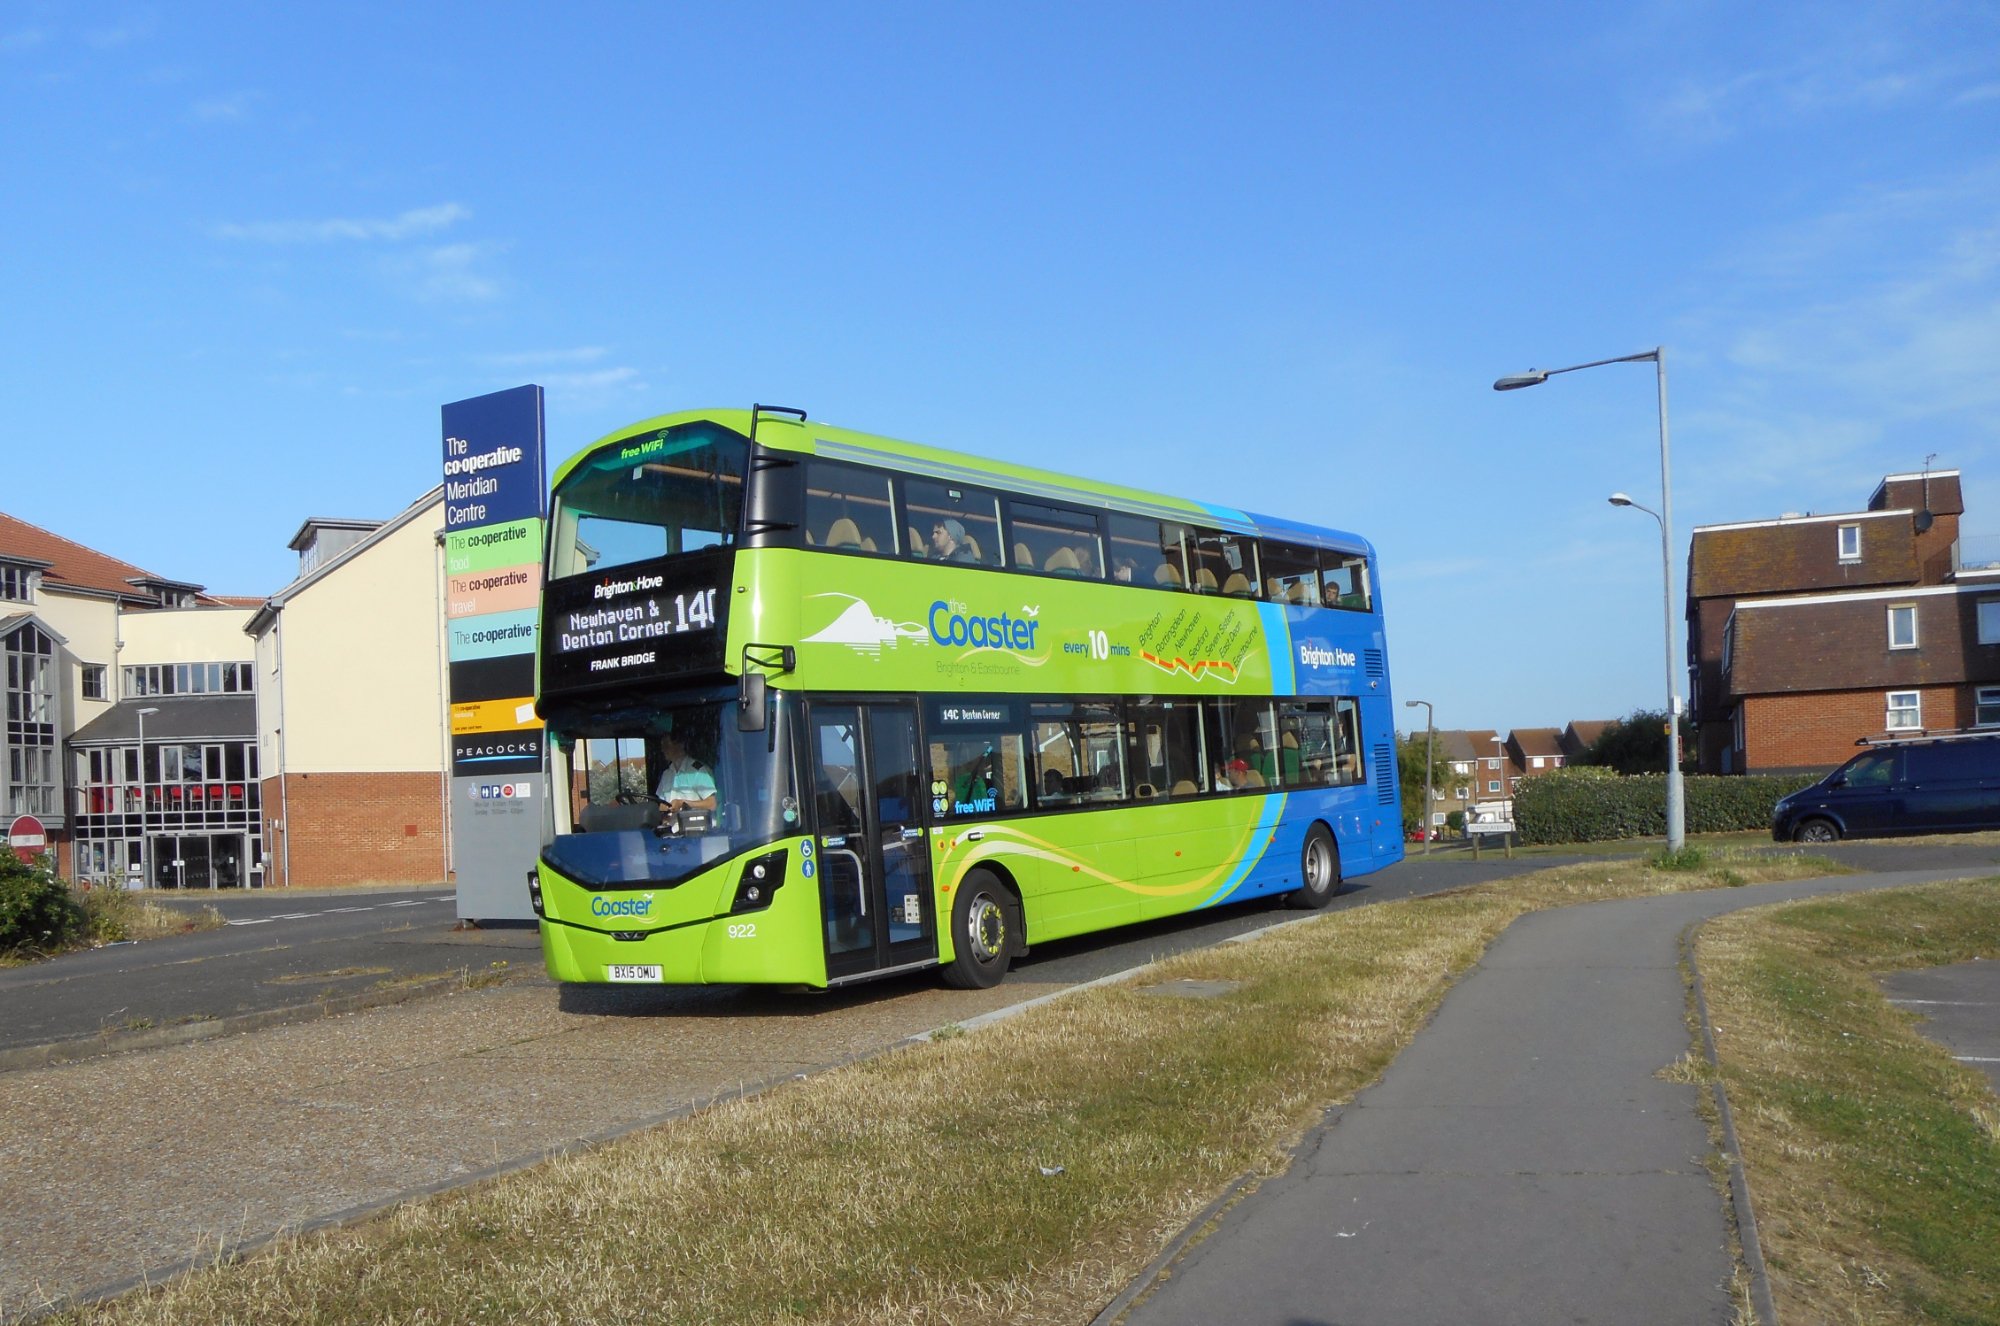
x: 1313, y: 656
x: 953, y: 624
x: 603, y: 906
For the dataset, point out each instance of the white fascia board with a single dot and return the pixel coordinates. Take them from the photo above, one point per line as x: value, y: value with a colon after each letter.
x: 1863, y: 596
x: 1846, y: 518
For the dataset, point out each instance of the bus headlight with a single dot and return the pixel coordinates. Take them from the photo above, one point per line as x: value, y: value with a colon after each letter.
x: 762, y: 876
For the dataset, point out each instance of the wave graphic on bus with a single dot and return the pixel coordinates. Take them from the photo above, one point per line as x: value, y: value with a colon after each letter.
x: 1221, y: 668
x: 860, y: 629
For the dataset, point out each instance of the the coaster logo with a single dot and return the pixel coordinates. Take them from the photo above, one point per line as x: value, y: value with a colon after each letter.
x: 951, y: 625
x: 1314, y: 656
x: 603, y: 906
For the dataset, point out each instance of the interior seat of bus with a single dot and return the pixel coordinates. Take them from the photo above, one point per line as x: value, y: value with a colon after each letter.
x: 1204, y: 579
x: 1022, y: 557
x: 843, y: 533
x: 1237, y: 584
x: 1167, y: 574
x: 1063, y: 562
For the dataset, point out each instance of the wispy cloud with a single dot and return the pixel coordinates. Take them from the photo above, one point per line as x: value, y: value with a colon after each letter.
x: 445, y: 274
x: 235, y: 106
x: 416, y: 222
x: 582, y: 354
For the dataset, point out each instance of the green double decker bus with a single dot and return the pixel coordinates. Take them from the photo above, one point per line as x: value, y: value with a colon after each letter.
x: 824, y: 707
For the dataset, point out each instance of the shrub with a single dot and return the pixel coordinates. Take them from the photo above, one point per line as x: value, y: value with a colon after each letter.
x: 1584, y: 804
x: 37, y: 912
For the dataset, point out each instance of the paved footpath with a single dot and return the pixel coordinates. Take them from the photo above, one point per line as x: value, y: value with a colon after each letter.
x: 1521, y: 1161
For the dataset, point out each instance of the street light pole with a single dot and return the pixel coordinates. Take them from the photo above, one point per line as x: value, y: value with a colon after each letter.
x: 1430, y: 761
x: 1676, y: 792
x: 145, y: 844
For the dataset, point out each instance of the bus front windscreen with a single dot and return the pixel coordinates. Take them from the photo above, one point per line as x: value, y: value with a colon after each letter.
x: 649, y: 496
x: 657, y: 794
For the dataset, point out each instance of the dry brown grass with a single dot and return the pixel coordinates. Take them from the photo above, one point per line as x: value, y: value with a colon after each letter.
x: 1872, y: 1156
x: 1022, y: 1174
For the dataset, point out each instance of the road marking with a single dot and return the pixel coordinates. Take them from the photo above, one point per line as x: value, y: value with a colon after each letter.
x: 1974, y: 1059
x: 336, y: 911
x: 294, y: 916
x: 408, y: 902
x: 260, y: 920
x: 1948, y: 1003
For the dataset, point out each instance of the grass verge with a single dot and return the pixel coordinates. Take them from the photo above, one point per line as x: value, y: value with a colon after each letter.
x: 1873, y: 1158
x: 1023, y: 1174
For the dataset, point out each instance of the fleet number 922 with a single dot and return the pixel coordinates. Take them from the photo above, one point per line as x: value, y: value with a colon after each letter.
x: 743, y: 930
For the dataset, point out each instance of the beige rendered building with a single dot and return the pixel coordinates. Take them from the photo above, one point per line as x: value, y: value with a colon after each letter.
x: 351, y: 719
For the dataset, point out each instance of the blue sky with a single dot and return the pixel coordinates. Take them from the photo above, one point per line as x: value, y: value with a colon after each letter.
x: 1272, y: 256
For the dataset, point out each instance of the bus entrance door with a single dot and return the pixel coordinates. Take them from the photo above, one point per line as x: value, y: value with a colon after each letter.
x: 874, y: 875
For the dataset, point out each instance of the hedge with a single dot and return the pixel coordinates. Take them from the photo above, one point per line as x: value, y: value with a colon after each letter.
x: 1585, y: 804
x: 37, y: 913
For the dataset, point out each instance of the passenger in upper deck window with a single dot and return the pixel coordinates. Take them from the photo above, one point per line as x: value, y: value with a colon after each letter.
x: 1122, y: 569
x: 948, y: 541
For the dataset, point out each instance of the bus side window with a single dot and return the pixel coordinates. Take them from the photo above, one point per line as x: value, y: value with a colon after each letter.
x: 1346, y: 742
x: 1059, y: 540
x: 1291, y: 573
x: 1346, y: 580
x: 847, y: 508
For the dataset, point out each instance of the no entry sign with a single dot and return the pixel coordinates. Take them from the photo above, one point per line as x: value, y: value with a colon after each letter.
x: 28, y: 838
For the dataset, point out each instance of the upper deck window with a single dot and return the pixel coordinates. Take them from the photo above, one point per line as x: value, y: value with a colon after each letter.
x: 848, y: 508
x: 1291, y: 573
x: 1224, y: 564
x: 950, y: 523
x: 1059, y: 540
x: 1146, y: 552
x: 649, y: 496
x: 1345, y: 581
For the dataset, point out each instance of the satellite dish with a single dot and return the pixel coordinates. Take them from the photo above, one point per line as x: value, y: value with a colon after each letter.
x: 1924, y: 521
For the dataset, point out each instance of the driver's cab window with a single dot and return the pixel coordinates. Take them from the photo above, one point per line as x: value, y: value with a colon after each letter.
x: 1875, y: 769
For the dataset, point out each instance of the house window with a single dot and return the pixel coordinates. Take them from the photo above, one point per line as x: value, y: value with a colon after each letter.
x: 17, y: 584
x: 1460, y: 793
x: 1850, y: 543
x: 1989, y: 621
x: 1906, y: 711
x: 1493, y: 784
x: 1903, y: 626
x: 1987, y: 707
x: 93, y: 681
x: 1462, y: 766
x: 1493, y: 764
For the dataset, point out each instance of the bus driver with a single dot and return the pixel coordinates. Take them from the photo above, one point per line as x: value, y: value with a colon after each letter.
x: 686, y: 783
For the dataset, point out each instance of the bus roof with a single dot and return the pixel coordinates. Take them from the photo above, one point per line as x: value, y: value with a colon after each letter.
x: 812, y: 437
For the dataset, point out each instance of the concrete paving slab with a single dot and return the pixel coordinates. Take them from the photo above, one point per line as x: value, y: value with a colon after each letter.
x: 1960, y: 1005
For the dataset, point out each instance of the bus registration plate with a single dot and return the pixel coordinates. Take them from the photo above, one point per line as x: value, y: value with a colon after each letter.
x: 619, y: 971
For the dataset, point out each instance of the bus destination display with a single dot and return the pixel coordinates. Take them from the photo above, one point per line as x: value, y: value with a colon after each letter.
x: 644, y: 620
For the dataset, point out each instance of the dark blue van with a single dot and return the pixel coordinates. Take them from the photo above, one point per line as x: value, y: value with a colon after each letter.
x: 1923, y: 785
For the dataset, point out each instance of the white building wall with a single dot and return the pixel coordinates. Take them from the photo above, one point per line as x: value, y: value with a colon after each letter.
x: 356, y: 661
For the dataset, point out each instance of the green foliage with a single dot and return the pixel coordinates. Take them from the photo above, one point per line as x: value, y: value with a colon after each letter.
x: 1410, y: 753
x: 1455, y: 821
x: 1582, y: 804
x: 37, y: 912
x: 1687, y: 860
x: 1637, y: 744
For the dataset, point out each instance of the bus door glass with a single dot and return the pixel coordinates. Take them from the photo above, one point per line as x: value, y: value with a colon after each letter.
x: 875, y: 894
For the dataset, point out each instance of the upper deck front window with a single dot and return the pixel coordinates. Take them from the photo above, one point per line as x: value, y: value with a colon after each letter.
x: 649, y: 496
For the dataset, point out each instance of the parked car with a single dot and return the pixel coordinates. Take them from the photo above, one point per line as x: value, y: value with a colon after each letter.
x: 1923, y: 785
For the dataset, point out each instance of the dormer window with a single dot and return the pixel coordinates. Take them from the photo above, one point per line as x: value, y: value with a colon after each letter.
x: 1850, y: 543
x: 18, y: 583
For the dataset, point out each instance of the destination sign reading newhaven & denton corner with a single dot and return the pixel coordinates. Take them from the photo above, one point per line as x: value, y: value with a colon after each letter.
x: 646, y: 620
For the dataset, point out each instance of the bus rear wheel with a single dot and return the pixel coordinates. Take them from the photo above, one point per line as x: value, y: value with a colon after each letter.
x: 982, y: 938
x: 1319, y: 871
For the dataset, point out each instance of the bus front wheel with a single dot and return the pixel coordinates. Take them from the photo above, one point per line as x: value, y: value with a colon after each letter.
x: 1319, y: 870
x: 982, y: 937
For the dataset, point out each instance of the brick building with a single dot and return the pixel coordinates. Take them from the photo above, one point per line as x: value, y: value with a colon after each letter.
x: 351, y: 720
x: 1808, y: 632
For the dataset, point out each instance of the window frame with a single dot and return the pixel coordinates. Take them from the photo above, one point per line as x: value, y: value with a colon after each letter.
x: 1849, y: 535
x: 1909, y: 613
x: 1915, y: 709
x: 1982, y: 698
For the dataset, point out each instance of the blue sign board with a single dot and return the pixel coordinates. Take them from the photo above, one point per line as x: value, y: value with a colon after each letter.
x: 493, y: 458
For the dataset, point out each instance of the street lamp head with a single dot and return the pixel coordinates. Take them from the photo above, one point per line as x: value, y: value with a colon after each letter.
x: 146, y: 711
x: 1534, y: 377
x: 1620, y: 499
